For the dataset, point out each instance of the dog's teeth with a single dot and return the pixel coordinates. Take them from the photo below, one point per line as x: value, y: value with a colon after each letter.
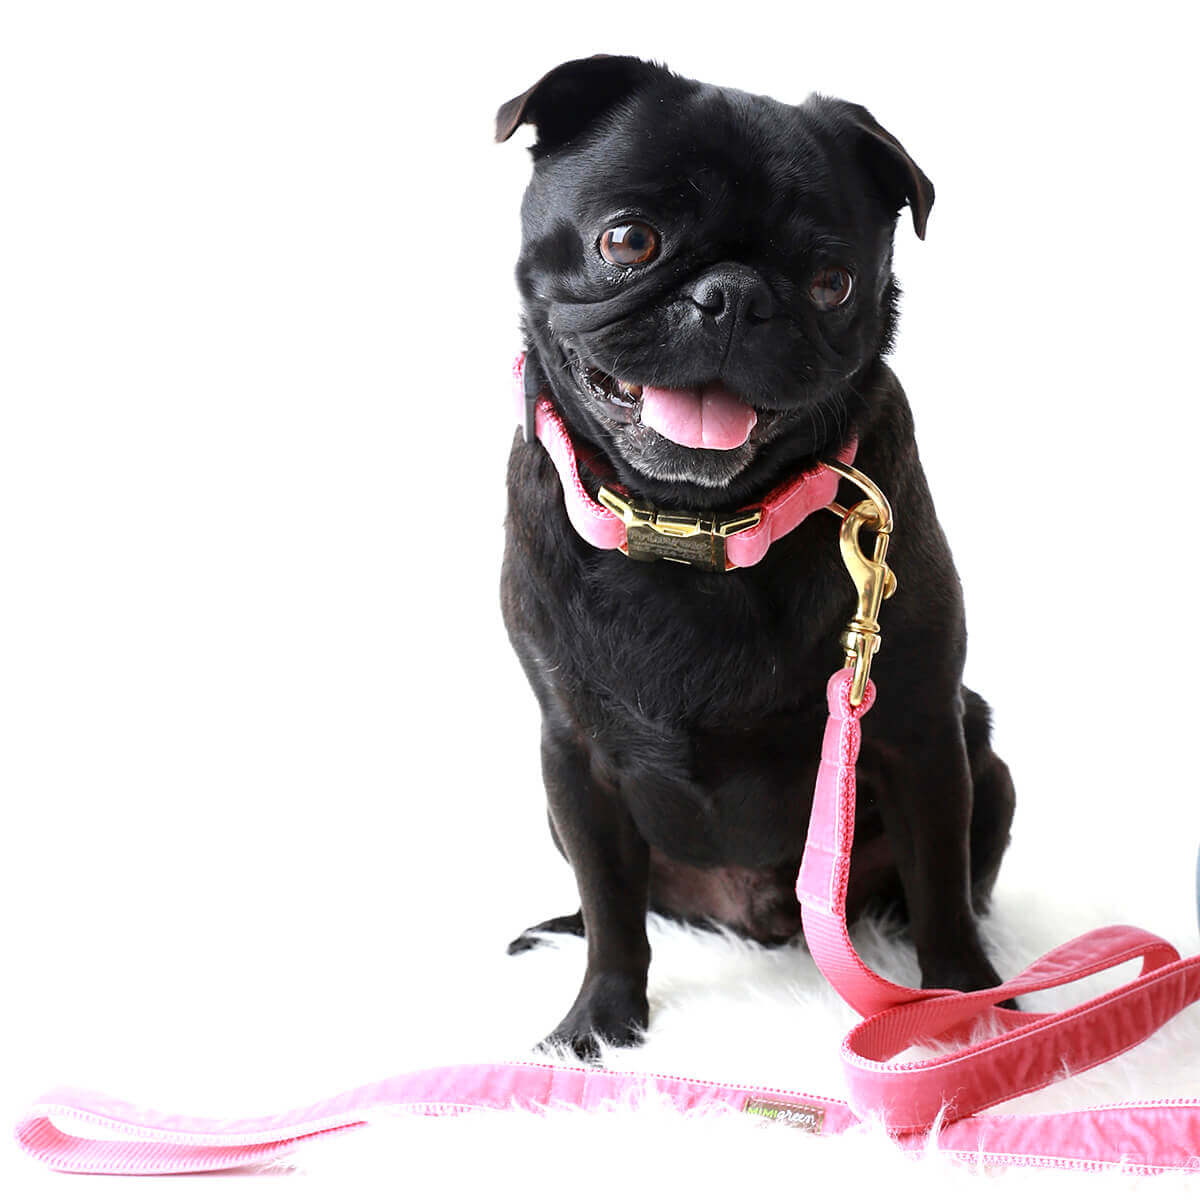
x: 632, y: 390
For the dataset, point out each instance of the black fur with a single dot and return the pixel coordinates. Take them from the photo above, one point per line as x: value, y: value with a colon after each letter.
x: 682, y: 712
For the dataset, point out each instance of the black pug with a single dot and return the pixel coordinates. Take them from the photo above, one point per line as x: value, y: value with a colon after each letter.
x: 687, y: 243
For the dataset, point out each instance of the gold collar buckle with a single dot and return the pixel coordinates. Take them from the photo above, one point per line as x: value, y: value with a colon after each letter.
x: 694, y: 539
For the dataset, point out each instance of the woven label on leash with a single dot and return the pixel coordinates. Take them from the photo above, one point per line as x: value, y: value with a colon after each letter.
x: 808, y: 1117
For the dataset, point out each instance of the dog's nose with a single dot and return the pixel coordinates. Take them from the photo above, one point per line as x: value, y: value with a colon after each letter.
x: 729, y: 292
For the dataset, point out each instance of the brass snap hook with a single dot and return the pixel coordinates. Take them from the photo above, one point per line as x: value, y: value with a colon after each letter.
x: 873, y: 579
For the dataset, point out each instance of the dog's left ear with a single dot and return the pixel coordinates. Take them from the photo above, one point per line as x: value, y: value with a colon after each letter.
x: 898, y: 176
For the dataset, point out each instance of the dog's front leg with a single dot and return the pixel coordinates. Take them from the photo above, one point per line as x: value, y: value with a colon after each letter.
x: 925, y: 801
x: 611, y: 865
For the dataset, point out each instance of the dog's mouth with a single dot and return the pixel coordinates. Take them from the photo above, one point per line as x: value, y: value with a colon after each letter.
x: 705, y: 417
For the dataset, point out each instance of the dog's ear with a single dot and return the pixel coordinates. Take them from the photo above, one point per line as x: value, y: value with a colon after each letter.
x: 899, y: 178
x: 568, y: 99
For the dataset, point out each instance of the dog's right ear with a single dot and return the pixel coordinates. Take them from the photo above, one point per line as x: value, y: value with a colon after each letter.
x: 568, y: 99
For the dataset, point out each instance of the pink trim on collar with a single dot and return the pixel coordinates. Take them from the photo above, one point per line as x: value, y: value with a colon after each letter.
x: 785, y: 507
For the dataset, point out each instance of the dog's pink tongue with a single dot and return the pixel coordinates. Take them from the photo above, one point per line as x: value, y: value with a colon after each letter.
x: 708, y: 418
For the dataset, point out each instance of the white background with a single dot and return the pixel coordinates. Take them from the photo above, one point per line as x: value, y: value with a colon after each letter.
x: 267, y: 759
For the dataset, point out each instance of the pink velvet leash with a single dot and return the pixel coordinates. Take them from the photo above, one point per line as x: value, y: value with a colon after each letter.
x: 942, y: 1093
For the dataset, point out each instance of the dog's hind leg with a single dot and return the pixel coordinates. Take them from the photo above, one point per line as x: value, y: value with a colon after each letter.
x: 993, y: 800
x: 571, y: 923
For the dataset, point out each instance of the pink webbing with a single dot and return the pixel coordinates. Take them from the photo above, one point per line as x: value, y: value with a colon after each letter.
x: 944, y: 1092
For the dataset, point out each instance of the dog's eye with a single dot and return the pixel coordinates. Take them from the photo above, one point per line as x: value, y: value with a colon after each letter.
x: 629, y: 245
x: 830, y: 288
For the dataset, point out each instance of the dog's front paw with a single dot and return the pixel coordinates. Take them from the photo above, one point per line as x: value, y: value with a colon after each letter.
x: 611, y: 1009
x: 964, y: 975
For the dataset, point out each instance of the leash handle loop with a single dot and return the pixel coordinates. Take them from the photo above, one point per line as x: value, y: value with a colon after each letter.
x: 1015, y: 1052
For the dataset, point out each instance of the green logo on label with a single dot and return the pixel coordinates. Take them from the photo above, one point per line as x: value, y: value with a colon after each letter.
x: 808, y: 1117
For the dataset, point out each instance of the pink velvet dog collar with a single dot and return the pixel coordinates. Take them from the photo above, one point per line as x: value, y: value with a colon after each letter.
x: 696, y: 538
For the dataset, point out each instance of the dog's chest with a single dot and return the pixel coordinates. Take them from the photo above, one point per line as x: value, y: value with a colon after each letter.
x: 671, y: 647
x: 720, y: 796
x: 701, y: 712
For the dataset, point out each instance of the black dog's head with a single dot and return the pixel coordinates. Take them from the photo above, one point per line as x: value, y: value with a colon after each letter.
x: 706, y: 274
